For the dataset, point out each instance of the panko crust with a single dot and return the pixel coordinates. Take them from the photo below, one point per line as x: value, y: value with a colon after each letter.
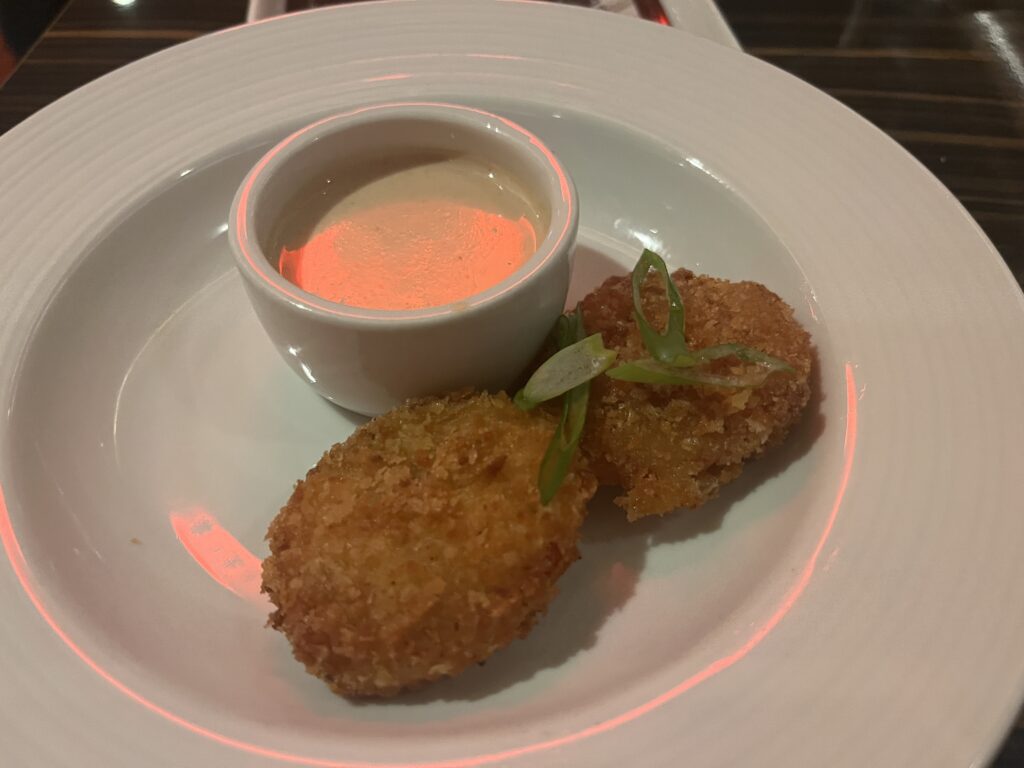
x: 674, y: 446
x: 419, y: 546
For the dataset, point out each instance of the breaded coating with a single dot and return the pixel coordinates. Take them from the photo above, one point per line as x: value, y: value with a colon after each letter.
x: 419, y: 546
x: 675, y: 446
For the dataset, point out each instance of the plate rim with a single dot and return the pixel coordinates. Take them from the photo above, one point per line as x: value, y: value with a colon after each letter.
x: 53, y: 113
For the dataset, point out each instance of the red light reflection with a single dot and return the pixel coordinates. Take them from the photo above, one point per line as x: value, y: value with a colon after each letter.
x: 410, y: 254
x: 652, y: 10
x: 218, y: 553
x: 21, y: 571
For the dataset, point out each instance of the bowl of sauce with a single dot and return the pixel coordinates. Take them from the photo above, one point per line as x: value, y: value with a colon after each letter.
x: 406, y: 249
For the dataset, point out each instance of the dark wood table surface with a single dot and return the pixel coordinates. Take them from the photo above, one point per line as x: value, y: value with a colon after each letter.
x: 945, y: 78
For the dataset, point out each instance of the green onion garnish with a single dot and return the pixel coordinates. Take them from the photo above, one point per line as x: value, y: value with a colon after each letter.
x: 569, y: 329
x: 671, y: 344
x: 672, y: 361
x: 647, y: 371
x: 568, y: 372
x: 581, y: 358
x: 555, y: 464
x: 746, y: 354
x: 570, y: 366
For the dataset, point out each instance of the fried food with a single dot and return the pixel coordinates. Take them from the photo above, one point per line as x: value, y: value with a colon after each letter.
x: 419, y: 546
x: 675, y: 446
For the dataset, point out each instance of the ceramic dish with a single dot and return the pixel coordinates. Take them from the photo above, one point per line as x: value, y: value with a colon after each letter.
x: 853, y: 600
x: 483, y: 341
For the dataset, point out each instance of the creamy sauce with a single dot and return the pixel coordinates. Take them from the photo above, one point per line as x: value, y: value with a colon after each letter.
x: 408, y: 233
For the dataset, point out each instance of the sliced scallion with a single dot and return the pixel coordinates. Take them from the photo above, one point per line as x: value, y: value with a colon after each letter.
x: 570, y: 366
x: 740, y: 352
x: 569, y: 333
x: 670, y: 344
x: 648, y: 371
x: 558, y: 457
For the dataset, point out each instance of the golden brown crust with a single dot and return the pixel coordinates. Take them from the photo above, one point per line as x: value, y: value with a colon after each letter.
x: 419, y: 546
x: 671, y: 447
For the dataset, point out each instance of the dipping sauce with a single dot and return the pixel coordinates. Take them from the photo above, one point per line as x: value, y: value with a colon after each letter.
x: 409, y: 232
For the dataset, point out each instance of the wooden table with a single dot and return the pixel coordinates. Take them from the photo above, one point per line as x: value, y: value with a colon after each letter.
x: 945, y: 78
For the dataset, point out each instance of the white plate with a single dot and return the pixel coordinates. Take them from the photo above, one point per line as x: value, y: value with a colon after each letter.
x: 854, y: 600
